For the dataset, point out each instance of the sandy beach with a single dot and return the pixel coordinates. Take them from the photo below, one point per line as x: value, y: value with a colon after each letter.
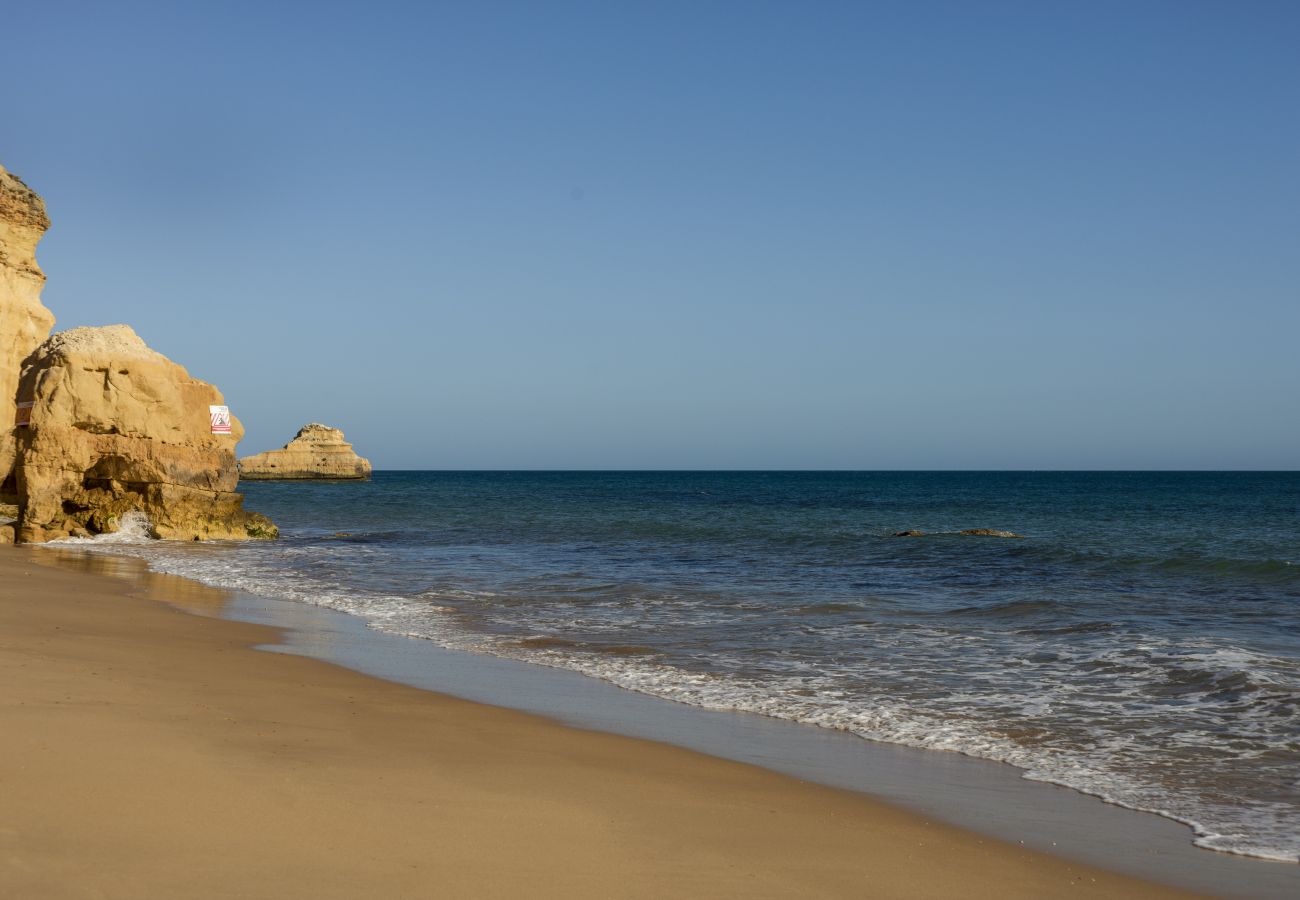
x: 149, y: 752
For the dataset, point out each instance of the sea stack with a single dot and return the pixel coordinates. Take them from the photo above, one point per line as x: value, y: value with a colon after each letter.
x: 115, y: 427
x: 317, y: 452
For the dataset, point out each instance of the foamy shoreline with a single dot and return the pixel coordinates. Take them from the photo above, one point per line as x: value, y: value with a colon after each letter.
x: 344, y: 639
x: 162, y: 756
x: 420, y: 617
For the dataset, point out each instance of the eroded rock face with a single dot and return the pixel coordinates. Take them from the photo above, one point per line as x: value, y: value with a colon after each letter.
x: 115, y: 427
x: 24, y: 321
x: 316, y: 452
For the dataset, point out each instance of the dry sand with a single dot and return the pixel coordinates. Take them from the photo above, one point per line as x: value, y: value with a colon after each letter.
x: 147, y: 752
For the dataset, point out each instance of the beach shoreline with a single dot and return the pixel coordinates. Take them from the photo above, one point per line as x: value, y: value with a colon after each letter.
x: 156, y: 753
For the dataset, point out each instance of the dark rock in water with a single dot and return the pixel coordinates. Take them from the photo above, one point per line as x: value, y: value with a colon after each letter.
x: 972, y: 532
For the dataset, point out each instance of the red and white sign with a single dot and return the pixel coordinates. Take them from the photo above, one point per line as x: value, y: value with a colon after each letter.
x: 23, y: 415
x: 220, y: 419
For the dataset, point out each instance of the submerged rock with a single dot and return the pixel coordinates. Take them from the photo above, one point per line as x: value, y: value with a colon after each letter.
x: 116, y: 427
x: 24, y: 321
x: 975, y: 532
x: 316, y: 452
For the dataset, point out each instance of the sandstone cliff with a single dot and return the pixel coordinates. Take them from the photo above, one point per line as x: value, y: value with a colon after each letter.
x: 115, y: 427
x: 316, y: 451
x: 24, y: 322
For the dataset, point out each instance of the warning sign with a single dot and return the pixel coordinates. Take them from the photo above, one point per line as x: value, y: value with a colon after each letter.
x: 23, y: 415
x: 220, y: 419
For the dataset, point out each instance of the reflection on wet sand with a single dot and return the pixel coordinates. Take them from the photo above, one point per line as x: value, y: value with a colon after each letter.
x: 190, y: 596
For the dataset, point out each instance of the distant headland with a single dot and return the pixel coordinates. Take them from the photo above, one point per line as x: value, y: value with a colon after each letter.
x: 317, y: 452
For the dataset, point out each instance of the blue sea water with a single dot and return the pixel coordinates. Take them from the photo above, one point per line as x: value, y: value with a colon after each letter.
x: 1140, y: 642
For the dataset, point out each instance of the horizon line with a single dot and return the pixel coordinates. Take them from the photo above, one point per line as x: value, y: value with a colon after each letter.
x: 1278, y: 471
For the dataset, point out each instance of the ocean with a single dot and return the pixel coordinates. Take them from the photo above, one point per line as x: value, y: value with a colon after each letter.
x: 1140, y: 642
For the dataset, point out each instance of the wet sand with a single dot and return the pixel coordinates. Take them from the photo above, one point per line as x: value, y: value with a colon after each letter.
x: 147, y: 752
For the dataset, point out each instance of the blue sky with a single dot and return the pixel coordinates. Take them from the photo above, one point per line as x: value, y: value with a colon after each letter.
x: 689, y: 235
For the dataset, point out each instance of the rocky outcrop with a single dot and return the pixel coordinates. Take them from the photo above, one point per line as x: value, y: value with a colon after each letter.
x: 990, y: 532
x: 24, y: 321
x: 316, y: 452
x: 969, y: 532
x: 116, y: 427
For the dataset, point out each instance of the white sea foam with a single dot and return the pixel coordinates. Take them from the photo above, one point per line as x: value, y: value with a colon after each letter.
x: 133, y: 528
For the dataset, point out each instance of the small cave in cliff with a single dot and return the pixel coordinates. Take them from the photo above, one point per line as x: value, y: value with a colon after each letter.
x: 117, y: 488
x: 106, y: 495
x: 9, y: 488
x: 106, y: 470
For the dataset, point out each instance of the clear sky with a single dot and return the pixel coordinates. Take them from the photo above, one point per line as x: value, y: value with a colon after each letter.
x: 689, y: 235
